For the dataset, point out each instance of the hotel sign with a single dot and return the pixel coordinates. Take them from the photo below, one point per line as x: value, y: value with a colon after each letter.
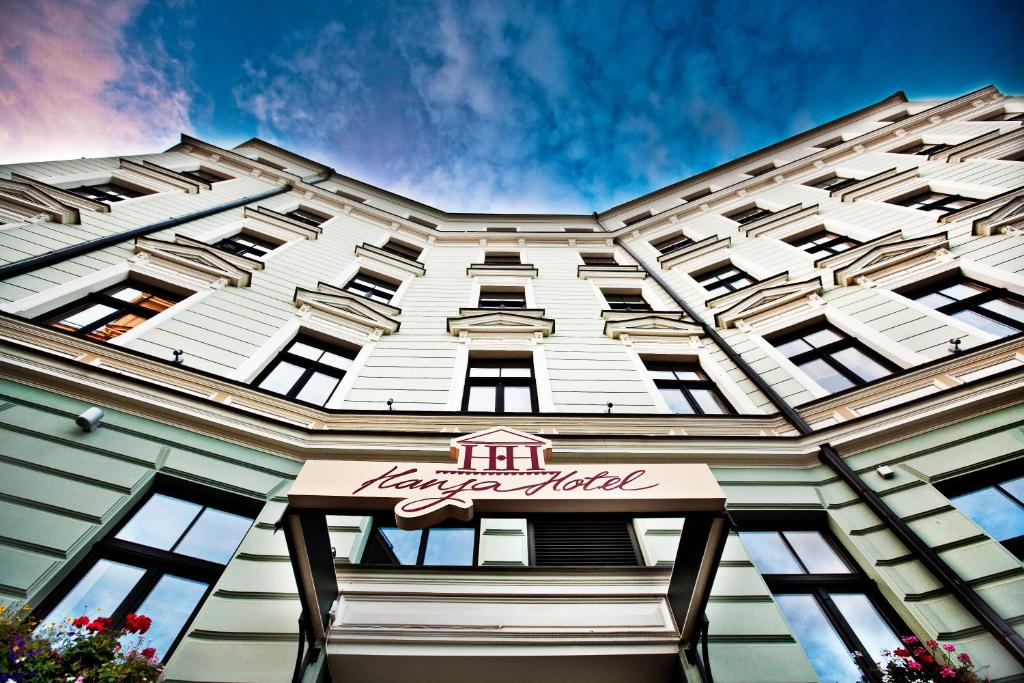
x: 502, y: 470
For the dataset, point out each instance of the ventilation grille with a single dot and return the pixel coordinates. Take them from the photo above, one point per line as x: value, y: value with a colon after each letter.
x: 574, y: 542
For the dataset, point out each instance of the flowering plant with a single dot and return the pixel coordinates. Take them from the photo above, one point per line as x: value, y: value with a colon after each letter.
x: 918, y: 662
x: 82, y: 650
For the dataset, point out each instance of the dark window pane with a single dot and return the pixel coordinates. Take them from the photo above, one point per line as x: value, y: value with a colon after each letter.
x: 769, y: 553
x: 815, y: 552
x: 517, y: 400
x: 282, y: 378
x: 405, y: 545
x: 98, y: 593
x: 450, y: 546
x: 169, y: 605
x: 993, y: 511
x: 160, y: 522
x: 819, y: 640
x: 215, y: 536
x: 482, y: 398
x: 869, y: 626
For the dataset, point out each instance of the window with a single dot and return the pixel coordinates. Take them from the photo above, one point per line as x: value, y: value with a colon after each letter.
x: 898, y: 116
x: 307, y: 217
x: 1004, y: 116
x: 503, y: 385
x: 935, y: 201
x: 626, y: 301
x: 591, y: 540
x: 500, y: 230
x: 491, y: 297
x: 502, y: 258
x: 644, y: 215
x: 422, y: 221
x: 373, y: 288
x: 988, y: 308
x: 748, y: 214
x: 108, y: 192
x: 247, y: 244
x: 830, y: 358
x: 723, y: 280
x: 307, y: 370
x: 922, y: 148
x: 444, y: 545
x: 402, y: 249
x: 271, y: 164
x: 832, y: 182
x: 994, y: 500
x: 761, y: 170
x: 686, y: 389
x: 823, y: 243
x: 112, y: 311
x: 205, y: 175
x: 830, y: 143
x: 598, y: 259
x: 671, y: 243
x: 1014, y: 156
x: 699, y: 194
x: 832, y: 609
x: 350, y: 197
x: 577, y: 230
x: 161, y: 562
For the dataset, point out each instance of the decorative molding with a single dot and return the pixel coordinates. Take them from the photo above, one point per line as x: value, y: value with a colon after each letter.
x: 279, y: 220
x: 988, y: 146
x: 665, y: 325
x: 1007, y: 219
x: 701, y: 248
x: 619, y: 272
x: 725, y: 301
x: 199, y: 259
x: 489, y: 321
x: 336, y: 306
x: 24, y: 198
x: 164, y: 176
x: 850, y: 255
x: 884, y: 259
x: 380, y: 256
x: 768, y: 300
x: 984, y: 208
x: 779, y: 219
x: 502, y: 270
x: 879, y: 182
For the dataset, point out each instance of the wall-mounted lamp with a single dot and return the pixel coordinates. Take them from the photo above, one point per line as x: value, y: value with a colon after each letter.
x: 610, y: 405
x: 391, y: 402
x: 179, y: 357
x: 954, y: 346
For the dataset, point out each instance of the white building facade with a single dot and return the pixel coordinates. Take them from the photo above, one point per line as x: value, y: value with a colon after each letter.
x: 831, y: 325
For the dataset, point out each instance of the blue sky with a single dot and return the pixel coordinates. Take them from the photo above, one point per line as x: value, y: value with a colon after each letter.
x: 482, y: 106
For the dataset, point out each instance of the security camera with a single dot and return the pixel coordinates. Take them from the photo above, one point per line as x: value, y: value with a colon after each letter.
x: 90, y: 419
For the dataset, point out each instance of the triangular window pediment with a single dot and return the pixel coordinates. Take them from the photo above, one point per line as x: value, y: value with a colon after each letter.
x: 369, y: 318
x: 528, y: 321
x: 881, y: 260
x: 187, y: 254
x: 769, y: 300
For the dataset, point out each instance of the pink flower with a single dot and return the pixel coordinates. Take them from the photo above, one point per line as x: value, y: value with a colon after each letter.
x: 915, y: 665
x: 920, y: 651
x: 963, y: 658
x: 909, y: 640
x: 948, y: 647
x: 946, y: 672
x: 932, y: 643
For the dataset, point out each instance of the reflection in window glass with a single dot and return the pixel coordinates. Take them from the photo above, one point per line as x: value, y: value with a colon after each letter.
x: 517, y: 400
x: 867, y: 623
x: 405, y: 545
x: 993, y: 511
x: 482, y: 398
x: 819, y: 640
x: 98, y: 593
x: 450, y: 546
x: 215, y: 536
x: 769, y: 553
x: 815, y: 552
x: 160, y: 522
x: 169, y: 605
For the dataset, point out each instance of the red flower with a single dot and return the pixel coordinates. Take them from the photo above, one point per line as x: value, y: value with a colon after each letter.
x: 149, y: 653
x: 963, y: 658
x: 909, y: 640
x: 901, y: 652
x: 80, y: 621
x: 920, y: 651
x: 932, y: 643
x: 927, y: 659
x: 137, y: 623
x: 99, y: 624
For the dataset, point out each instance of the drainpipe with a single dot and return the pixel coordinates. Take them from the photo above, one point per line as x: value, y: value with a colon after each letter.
x: 1011, y: 641
x: 49, y: 259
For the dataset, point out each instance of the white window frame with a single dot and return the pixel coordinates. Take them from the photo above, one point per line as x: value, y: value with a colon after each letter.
x: 483, y: 347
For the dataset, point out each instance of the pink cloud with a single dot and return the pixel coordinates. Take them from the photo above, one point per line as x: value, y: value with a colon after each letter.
x: 68, y: 90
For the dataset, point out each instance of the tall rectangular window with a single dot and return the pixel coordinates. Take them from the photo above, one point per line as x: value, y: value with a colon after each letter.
x: 674, y: 242
x: 306, y: 216
x: 822, y: 243
x: 832, y: 359
x: 686, y: 388
x: 836, y: 614
x: 722, y: 280
x: 402, y: 249
x: 991, y: 309
x: 161, y: 561
x: 935, y: 201
x: 500, y: 385
x: 590, y: 259
x: 108, y: 192
x: 502, y: 258
x: 995, y: 502
x: 626, y: 301
x: 922, y: 148
x: 748, y: 214
x: 501, y: 298
x: 832, y: 182
x: 111, y: 312
x: 307, y: 370
x: 205, y: 175
x: 1004, y: 116
x: 247, y: 244
x: 373, y: 288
